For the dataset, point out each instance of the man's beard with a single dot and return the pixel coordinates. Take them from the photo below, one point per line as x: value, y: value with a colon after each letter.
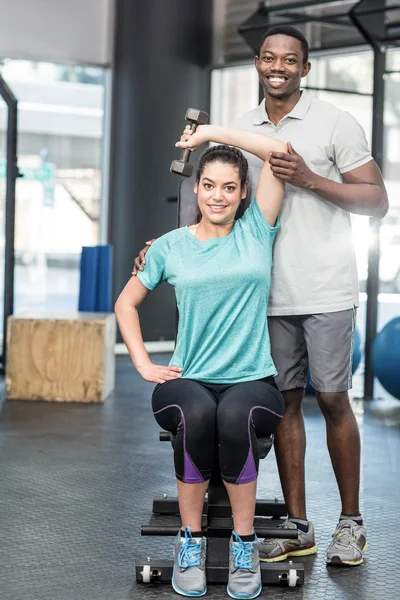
x: 279, y: 95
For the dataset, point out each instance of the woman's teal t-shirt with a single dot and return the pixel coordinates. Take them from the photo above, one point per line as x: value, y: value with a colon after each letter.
x: 222, y: 287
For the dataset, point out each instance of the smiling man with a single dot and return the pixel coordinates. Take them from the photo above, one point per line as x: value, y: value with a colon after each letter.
x: 329, y: 173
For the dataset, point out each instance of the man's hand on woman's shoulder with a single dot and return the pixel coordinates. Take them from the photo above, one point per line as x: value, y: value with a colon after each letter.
x: 140, y: 260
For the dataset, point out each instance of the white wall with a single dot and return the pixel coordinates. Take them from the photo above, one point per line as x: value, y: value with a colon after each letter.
x: 62, y: 31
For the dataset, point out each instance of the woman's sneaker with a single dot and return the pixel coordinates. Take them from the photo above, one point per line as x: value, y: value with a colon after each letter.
x: 244, y: 568
x: 189, y: 572
x: 275, y: 550
x: 348, y: 544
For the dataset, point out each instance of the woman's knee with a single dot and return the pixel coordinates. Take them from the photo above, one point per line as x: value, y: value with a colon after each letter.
x: 188, y: 410
x: 258, y: 406
x: 182, y: 403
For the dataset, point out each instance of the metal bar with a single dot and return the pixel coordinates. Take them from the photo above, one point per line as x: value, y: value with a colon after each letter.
x: 12, y: 174
x: 168, y: 505
x: 378, y: 106
x: 160, y: 571
x: 219, y: 528
x: 319, y: 89
x: 104, y: 216
x: 323, y: 20
x: 6, y: 93
x: 161, y: 530
x: 299, y: 5
x: 336, y: 91
x: 270, y: 508
x: 374, y: 224
x: 372, y: 11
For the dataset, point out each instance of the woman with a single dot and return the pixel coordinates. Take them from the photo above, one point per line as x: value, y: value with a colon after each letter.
x: 218, y: 394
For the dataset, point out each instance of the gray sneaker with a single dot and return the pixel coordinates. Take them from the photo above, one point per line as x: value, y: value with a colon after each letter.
x: 348, y: 544
x: 244, y: 568
x: 275, y: 550
x: 189, y: 573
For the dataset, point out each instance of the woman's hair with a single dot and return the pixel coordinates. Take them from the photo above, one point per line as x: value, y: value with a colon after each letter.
x: 227, y: 155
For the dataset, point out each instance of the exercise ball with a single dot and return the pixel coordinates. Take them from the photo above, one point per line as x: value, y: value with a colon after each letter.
x: 386, y: 357
x: 356, y: 351
x: 356, y: 360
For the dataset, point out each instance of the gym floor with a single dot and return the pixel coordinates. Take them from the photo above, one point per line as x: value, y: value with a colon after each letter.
x: 77, y: 482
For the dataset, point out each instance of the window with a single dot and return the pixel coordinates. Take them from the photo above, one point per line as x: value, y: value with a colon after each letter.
x: 58, y: 197
x: 3, y: 155
x: 234, y: 92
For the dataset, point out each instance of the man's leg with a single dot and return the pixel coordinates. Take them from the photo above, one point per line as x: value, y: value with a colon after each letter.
x: 290, y: 356
x: 344, y: 447
x: 329, y: 340
x: 290, y: 448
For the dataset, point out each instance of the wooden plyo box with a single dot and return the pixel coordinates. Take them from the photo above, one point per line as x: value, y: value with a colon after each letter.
x: 60, y: 357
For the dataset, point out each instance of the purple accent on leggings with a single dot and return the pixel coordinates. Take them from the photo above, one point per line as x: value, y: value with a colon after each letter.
x: 191, y: 474
x: 249, y: 471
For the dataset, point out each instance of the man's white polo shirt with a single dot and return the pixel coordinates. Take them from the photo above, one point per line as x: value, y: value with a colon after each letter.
x: 315, y: 267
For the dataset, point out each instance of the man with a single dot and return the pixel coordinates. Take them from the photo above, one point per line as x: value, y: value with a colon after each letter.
x: 329, y: 174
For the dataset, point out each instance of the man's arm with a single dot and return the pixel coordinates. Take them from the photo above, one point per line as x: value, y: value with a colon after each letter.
x: 363, y: 191
x: 256, y: 143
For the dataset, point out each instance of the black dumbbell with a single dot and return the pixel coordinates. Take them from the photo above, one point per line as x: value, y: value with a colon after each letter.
x: 182, y: 166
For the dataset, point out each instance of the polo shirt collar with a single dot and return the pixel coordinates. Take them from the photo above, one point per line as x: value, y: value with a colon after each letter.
x: 299, y: 111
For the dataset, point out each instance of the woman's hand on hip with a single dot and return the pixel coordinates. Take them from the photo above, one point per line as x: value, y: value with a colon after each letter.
x: 159, y: 373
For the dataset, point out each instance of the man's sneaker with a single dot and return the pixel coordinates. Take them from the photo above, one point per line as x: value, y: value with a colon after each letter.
x: 244, y: 568
x: 348, y: 544
x: 189, y: 573
x: 275, y: 550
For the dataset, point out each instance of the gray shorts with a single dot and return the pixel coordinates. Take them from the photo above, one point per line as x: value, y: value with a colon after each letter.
x: 323, y: 342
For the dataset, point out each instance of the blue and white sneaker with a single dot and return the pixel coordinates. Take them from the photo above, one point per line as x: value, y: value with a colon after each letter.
x: 189, y: 573
x: 244, y: 568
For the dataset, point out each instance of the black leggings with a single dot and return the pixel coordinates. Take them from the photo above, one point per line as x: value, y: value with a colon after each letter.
x: 209, y: 418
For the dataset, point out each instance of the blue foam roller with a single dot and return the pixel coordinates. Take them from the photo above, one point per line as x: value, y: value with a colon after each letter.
x: 104, y: 279
x: 356, y: 350
x: 386, y: 357
x: 88, y: 279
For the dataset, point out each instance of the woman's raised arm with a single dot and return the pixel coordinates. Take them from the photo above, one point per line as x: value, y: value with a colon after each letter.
x: 270, y: 190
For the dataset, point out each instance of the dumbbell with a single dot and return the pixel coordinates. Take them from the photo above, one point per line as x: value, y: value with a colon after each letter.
x: 182, y: 166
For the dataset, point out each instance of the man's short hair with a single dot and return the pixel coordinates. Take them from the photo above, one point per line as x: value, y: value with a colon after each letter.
x: 291, y: 32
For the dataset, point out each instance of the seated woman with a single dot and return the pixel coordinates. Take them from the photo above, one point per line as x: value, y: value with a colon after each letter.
x: 218, y: 394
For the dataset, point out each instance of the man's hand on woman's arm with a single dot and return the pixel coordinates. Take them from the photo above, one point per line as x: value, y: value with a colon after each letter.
x: 362, y: 192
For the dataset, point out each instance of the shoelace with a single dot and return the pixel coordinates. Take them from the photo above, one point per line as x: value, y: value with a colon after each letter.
x: 283, y: 525
x: 343, y: 534
x: 190, y: 552
x: 242, y: 553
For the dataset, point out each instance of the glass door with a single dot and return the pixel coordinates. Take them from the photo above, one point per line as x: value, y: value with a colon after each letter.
x: 3, y: 191
x: 8, y: 174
